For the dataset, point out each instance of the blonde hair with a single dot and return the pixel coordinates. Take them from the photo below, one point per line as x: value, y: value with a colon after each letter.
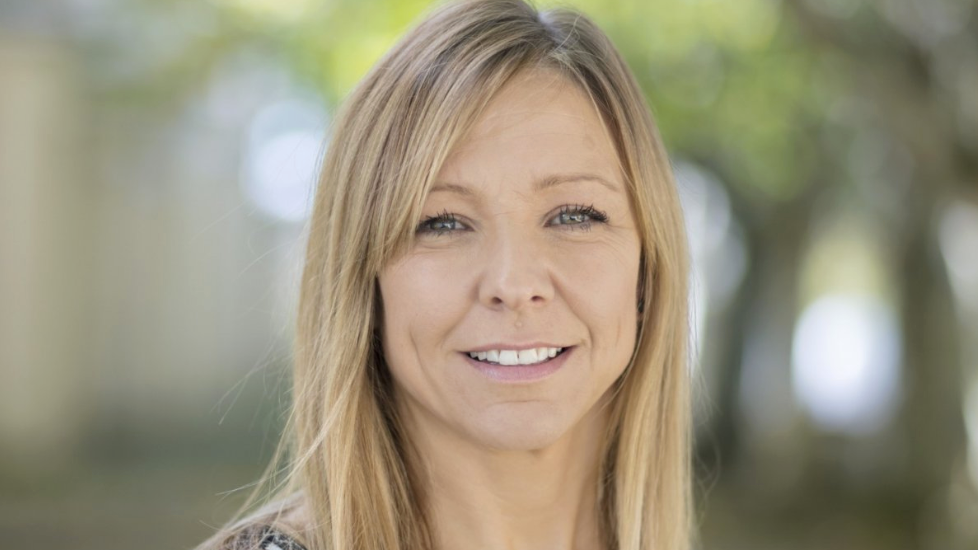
x: 347, y: 462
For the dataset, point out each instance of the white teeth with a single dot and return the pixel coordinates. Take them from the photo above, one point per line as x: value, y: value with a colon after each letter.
x: 528, y: 356
x: 510, y: 357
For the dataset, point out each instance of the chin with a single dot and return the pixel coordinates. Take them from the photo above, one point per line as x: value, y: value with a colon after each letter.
x: 519, y: 431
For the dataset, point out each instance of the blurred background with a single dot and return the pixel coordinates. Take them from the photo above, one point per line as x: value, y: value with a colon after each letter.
x: 156, y: 157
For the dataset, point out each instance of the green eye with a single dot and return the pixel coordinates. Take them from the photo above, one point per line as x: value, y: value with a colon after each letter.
x: 579, y: 216
x: 572, y: 217
x: 440, y: 224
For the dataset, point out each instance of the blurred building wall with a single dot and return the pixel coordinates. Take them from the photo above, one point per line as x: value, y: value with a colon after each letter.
x: 140, y: 292
x: 45, y: 255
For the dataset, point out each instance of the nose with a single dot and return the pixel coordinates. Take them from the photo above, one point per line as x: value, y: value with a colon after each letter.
x: 515, y: 273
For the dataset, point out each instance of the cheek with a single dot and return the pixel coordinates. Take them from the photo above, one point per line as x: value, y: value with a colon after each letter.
x: 419, y: 312
x: 408, y: 290
x: 601, y: 284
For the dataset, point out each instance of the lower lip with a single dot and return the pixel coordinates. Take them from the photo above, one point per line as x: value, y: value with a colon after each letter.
x: 520, y: 373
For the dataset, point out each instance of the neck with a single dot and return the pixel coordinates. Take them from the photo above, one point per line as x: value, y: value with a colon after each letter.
x: 490, y: 499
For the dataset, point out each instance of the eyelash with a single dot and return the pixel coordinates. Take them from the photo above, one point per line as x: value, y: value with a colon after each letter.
x: 594, y: 215
x: 426, y: 225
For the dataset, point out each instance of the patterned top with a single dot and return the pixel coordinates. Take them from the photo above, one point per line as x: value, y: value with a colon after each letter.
x: 275, y: 540
x: 263, y: 538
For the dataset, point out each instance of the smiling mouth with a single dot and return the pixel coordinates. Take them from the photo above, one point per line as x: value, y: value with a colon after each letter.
x: 508, y: 357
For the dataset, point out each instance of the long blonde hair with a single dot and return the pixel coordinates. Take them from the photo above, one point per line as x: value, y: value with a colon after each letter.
x: 346, y: 460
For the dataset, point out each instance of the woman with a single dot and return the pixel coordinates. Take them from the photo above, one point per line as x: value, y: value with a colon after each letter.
x: 491, y: 343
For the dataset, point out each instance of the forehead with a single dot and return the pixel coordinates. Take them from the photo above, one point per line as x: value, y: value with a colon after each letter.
x: 539, y: 124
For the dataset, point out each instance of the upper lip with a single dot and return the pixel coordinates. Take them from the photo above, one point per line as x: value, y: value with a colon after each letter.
x: 517, y: 347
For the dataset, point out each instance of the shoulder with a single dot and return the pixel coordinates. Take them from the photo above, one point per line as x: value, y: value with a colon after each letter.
x: 281, y: 524
x: 262, y: 537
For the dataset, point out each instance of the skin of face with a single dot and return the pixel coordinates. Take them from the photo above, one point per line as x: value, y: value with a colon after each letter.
x: 496, y: 261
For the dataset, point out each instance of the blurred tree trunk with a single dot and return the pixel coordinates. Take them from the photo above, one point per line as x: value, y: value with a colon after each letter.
x: 896, y: 76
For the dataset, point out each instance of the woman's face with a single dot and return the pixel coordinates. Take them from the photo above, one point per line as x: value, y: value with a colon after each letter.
x: 527, y: 247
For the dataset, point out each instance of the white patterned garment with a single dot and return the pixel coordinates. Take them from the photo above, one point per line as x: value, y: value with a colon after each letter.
x: 263, y: 538
x: 274, y: 540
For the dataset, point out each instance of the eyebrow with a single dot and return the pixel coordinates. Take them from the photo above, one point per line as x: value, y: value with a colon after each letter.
x: 541, y: 184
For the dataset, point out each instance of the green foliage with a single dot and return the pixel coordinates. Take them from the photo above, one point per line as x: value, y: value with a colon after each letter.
x: 728, y: 81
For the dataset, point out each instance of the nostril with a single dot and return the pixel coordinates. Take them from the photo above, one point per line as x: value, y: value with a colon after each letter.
x: 514, y: 289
